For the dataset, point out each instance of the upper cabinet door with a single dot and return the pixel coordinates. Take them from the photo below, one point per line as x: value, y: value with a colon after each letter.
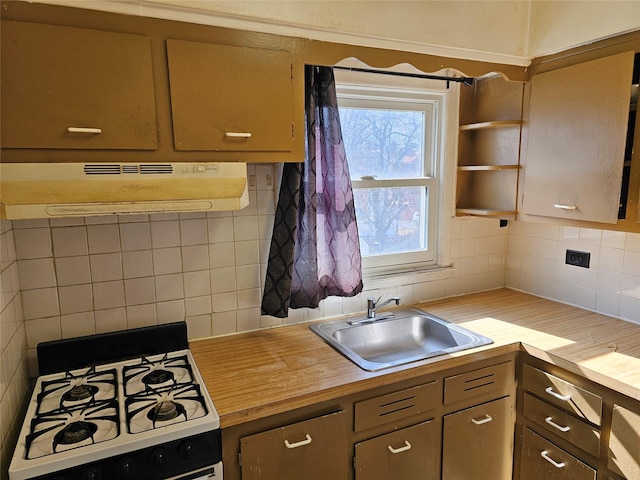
x: 75, y: 88
x: 230, y: 98
x: 576, y: 141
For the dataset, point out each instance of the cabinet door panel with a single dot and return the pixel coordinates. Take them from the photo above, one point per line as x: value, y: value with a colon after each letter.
x: 314, y: 449
x: 624, y: 443
x: 542, y: 460
x: 55, y: 78
x: 407, y: 454
x: 576, y: 140
x: 230, y: 98
x: 479, y: 439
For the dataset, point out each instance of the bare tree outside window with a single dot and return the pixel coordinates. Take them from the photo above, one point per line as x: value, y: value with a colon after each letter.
x: 381, y: 145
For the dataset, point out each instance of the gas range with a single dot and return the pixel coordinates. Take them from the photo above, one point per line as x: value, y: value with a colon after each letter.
x: 147, y: 416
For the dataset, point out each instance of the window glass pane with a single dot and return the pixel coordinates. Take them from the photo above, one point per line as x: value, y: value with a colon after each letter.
x: 391, y: 220
x: 386, y: 144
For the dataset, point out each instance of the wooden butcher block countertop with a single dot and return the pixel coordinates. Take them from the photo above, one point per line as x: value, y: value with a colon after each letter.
x: 257, y: 374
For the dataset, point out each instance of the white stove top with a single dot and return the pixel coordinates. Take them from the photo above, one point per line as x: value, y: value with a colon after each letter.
x: 95, y: 413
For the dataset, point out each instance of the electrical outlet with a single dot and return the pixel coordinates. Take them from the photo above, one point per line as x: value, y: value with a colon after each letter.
x: 579, y: 259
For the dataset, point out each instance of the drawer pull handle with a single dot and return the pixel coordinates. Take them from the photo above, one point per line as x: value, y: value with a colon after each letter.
x: 550, y: 421
x: 545, y: 455
x: 550, y: 391
x: 487, y: 418
x: 237, y: 134
x: 301, y: 443
x: 84, y: 130
x: 407, y: 446
x: 565, y: 207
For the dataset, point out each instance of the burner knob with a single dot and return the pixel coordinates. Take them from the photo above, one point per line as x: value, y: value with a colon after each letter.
x: 92, y: 474
x: 158, y: 457
x: 125, y: 469
x: 187, y: 450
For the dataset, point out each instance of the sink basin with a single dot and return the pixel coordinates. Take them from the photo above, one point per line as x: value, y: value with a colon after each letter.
x: 396, y: 338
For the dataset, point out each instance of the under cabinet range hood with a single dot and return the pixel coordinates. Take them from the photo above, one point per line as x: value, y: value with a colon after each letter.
x: 45, y: 190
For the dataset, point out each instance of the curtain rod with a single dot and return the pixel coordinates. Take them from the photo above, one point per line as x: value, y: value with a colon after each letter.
x: 463, y: 80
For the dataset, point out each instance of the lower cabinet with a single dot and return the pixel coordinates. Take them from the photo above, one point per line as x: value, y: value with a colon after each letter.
x: 541, y: 459
x: 479, y: 440
x: 407, y: 454
x: 311, y: 449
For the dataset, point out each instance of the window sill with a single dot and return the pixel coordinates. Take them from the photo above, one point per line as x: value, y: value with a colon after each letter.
x: 396, y: 279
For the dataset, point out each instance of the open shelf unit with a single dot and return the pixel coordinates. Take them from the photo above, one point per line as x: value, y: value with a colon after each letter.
x: 489, y: 148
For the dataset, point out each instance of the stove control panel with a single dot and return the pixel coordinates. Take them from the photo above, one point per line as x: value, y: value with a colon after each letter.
x: 168, y: 460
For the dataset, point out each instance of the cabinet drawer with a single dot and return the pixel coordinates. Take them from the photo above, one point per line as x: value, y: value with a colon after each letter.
x: 317, y: 447
x: 624, y: 443
x: 564, y: 394
x: 395, y: 406
x: 541, y: 459
x: 479, y: 439
x: 405, y: 454
x: 560, y: 423
x: 477, y: 382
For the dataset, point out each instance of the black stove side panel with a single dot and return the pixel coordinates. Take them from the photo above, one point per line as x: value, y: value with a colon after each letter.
x: 72, y: 353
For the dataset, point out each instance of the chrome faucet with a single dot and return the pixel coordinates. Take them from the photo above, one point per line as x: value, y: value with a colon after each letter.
x: 372, y: 305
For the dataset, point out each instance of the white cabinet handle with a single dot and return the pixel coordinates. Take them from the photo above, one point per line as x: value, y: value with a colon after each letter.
x: 550, y: 391
x: 84, y: 130
x: 550, y: 421
x: 565, y: 207
x: 301, y: 443
x: 407, y: 446
x: 544, y: 455
x: 487, y: 418
x: 237, y: 134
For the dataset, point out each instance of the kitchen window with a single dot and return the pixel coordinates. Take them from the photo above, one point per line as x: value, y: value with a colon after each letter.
x: 395, y: 139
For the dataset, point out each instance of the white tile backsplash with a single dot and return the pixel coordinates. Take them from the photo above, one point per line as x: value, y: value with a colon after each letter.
x: 611, y: 284
x: 208, y: 269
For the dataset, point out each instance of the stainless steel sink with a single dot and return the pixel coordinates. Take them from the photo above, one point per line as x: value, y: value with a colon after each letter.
x: 396, y: 338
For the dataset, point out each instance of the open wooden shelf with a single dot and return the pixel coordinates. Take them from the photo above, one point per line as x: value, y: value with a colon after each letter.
x: 479, y: 168
x: 495, y: 124
x: 484, y: 212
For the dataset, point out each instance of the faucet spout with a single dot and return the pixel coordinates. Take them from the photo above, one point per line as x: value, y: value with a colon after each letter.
x: 372, y: 305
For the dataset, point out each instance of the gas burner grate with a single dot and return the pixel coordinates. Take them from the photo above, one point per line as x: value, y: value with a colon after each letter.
x: 153, y: 373
x: 68, y: 428
x: 78, y: 388
x: 164, y: 406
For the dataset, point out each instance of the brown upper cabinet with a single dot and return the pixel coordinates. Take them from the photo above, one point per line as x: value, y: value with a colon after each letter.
x: 577, y: 134
x: 76, y: 88
x: 230, y: 98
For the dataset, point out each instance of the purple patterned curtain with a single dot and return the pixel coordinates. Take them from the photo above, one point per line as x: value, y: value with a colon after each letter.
x: 315, y: 251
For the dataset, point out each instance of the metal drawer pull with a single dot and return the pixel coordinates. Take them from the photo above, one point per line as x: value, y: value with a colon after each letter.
x: 237, y: 134
x: 550, y: 391
x: 301, y: 443
x: 84, y: 130
x: 550, y: 421
x: 487, y: 418
x: 544, y: 455
x: 565, y: 207
x: 407, y: 446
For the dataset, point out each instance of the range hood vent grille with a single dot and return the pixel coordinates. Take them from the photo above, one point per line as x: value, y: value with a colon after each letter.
x: 51, y: 190
x: 117, y: 169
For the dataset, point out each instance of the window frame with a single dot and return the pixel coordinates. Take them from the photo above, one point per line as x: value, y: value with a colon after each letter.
x: 364, y: 89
